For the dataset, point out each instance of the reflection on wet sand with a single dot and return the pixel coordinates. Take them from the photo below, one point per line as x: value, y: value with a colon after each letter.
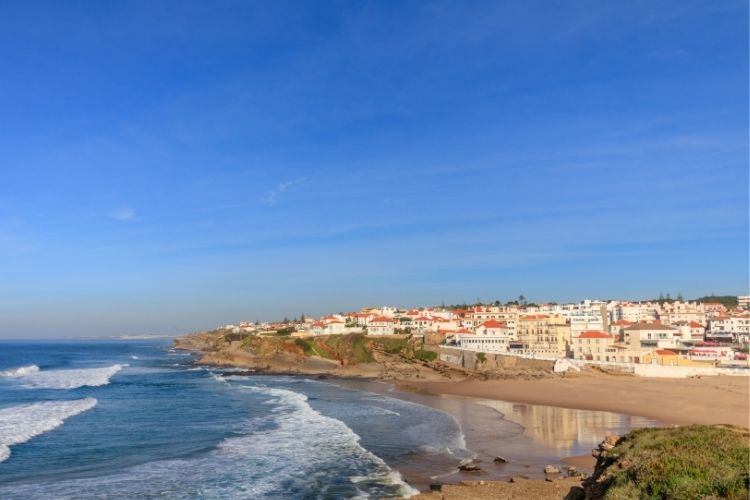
x: 565, y: 430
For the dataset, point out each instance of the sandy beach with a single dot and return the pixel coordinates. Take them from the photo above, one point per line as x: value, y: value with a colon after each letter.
x: 706, y: 400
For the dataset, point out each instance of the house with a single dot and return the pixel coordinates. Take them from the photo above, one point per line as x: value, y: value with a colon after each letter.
x: 422, y: 323
x: 691, y: 331
x: 592, y: 345
x: 543, y: 334
x: 736, y: 325
x: 648, y: 336
x: 380, y: 326
x: 490, y: 336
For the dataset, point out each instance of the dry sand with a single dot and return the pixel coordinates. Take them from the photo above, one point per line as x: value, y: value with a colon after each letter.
x: 706, y: 400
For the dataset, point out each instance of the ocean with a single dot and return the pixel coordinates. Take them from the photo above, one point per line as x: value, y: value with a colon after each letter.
x: 137, y: 419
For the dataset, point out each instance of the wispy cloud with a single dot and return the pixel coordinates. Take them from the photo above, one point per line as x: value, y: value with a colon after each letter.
x: 271, y: 197
x: 124, y: 214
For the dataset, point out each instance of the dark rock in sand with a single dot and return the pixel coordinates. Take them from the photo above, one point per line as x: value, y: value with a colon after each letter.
x: 500, y: 460
x: 517, y: 479
x: 469, y: 468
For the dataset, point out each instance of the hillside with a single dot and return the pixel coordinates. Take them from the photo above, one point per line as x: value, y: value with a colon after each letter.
x: 398, y: 357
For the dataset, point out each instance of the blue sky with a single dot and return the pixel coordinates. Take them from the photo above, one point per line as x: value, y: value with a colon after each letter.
x: 170, y: 166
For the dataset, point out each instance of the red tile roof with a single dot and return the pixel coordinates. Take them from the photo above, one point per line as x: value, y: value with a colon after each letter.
x: 592, y: 334
x: 665, y: 352
x: 493, y: 324
x: 381, y: 319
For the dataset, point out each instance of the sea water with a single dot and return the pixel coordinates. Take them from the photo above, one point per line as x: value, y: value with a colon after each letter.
x: 136, y: 419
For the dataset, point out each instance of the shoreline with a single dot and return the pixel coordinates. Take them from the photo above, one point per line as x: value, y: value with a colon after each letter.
x: 669, y: 401
x: 491, y: 415
x: 490, y: 431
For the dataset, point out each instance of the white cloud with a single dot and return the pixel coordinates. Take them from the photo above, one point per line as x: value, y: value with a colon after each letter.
x: 271, y: 197
x: 124, y: 214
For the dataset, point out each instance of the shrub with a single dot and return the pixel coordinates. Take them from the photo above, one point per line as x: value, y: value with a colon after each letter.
x: 682, y: 462
x: 481, y: 357
x: 423, y: 355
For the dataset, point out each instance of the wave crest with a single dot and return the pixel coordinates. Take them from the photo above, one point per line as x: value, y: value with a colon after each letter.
x: 31, y: 376
x: 20, y: 423
x: 21, y: 371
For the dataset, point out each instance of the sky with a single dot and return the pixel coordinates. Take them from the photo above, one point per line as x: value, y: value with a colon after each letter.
x: 171, y: 166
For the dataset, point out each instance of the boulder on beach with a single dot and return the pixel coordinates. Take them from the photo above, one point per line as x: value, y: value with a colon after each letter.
x: 469, y: 468
x: 500, y: 460
x: 551, y: 469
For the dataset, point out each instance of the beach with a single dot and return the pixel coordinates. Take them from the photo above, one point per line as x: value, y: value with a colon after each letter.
x: 705, y: 400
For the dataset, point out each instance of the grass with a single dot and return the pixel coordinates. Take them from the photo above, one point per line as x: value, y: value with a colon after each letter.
x: 306, y: 346
x: 393, y: 346
x: 424, y: 355
x: 360, y: 353
x: 680, y: 463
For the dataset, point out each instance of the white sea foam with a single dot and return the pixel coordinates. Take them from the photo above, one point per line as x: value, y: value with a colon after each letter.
x: 66, y: 379
x: 21, y: 371
x: 301, y: 430
x: 292, y: 451
x: 20, y: 423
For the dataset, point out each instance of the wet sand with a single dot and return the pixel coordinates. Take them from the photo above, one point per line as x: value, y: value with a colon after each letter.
x: 706, y: 400
x: 527, y: 436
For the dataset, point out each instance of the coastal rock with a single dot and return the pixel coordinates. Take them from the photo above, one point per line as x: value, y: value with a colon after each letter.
x: 500, y: 460
x: 469, y: 468
x: 551, y: 469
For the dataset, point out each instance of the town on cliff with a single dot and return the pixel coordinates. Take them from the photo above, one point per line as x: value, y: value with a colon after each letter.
x: 705, y: 336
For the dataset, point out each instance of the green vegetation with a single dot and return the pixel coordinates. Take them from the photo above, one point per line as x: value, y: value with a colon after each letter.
x: 393, y: 346
x: 359, y: 349
x: 423, y: 355
x: 729, y: 301
x: 681, y: 462
x: 285, y: 331
x: 306, y: 346
x: 481, y: 357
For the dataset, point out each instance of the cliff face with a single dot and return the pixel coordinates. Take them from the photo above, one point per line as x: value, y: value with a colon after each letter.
x: 395, y: 357
x: 340, y: 355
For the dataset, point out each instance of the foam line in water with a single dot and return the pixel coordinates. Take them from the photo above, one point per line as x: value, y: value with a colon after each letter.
x: 21, y: 371
x: 65, y: 379
x: 20, y: 423
x: 326, y: 439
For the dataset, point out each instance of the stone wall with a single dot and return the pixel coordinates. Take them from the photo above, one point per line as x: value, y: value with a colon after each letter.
x: 469, y: 360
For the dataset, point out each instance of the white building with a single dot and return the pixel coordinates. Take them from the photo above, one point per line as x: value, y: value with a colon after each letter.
x: 648, y: 336
x: 588, y: 316
x: 490, y: 336
x: 380, y: 326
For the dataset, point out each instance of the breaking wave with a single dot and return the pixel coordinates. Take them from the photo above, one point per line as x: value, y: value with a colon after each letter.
x: 31, y: 376
x: 21, y: 371
x: 291, y: 452
x: 20, y: 423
